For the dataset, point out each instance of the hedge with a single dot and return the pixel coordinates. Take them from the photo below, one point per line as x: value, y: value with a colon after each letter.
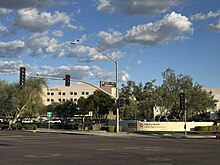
x: 207, y: 128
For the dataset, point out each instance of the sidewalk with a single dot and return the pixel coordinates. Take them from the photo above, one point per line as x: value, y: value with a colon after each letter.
x: 122, y: 134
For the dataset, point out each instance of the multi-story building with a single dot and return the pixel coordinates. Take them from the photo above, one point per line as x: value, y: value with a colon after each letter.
x: 216, y: 93
x: 60, y: 93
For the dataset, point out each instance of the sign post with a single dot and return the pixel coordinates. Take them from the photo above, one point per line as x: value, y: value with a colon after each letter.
x: 49, y: 115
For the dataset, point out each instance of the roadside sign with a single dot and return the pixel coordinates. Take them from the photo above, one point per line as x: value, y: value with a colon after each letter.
x: 49, y: 114
x: 108, y: 84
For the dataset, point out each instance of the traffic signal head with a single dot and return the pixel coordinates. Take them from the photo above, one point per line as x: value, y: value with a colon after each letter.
x: 182, y: 101
x: 22, y: 76
x: 67, y: 80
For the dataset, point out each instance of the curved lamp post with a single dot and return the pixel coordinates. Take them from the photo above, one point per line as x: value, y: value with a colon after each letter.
x: 116, y: 77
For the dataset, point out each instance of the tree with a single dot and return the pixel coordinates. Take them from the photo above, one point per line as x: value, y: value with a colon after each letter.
x: 100, y: 103
x: 198, y: 100
x: 132, y: 95
x: 7, y: 99
x: 28, y: 99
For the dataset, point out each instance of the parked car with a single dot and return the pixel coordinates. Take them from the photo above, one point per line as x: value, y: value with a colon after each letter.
x: 26, y: 121
x: 55, y: 121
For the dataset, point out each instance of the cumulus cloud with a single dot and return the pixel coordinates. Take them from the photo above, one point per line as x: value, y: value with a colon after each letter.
x: 136, y: 7
x: 21, y: 4
x: 124, y: 76
x: 4, y: 11
x: 11, y: 49
x: 215, y: 26
x: 173, y: 26
x: 34, y: 21
x: 9, y: 67
x: 201, y: 16
x: 169, y: 28
x: 88, y: 54
x: 112, y: 39
x: 76, y: 72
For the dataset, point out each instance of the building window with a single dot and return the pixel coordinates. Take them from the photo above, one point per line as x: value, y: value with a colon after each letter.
x: 75, y: 99
x: 48, y: 100
x: 75, y: 93
x: 64, y: 93
x: 59, y: 99
x: 52, y: 94
x: 48, y: 93
x: 64, y: 100
x: 83, y: 93
x: 71, y: 99
x: 87, y: 93
x: 52, y: 100
x: 71, y: 93
x: 59, y: 93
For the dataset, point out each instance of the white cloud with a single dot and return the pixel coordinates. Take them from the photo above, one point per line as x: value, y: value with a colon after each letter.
x: 136, y: 7
x: 3, y: 30
x: 169, y: 28
x: 139, y: 62
x: 124, y: 76
x: 9, y: 67
x: 215, y: 26
x: 88, y: 54
x: 57, y: 33
x: 112, y: 39
x: 34, y: 21
x: 11, y: 49
x: 39, y: 42
x: 4, y: 11
x: 201, y: 16
x: 76, y: 72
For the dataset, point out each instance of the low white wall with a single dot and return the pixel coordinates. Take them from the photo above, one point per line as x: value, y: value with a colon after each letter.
x: 169, y: 126
x: 134, y: 125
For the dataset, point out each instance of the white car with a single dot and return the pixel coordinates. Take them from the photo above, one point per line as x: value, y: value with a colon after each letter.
x: 54, y: 121
x: 27, y: 121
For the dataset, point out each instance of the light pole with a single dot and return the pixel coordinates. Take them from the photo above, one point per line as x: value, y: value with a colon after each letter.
x: 116, y: 78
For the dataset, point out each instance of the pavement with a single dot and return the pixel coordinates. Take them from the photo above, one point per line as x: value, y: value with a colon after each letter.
x: 123, y: 134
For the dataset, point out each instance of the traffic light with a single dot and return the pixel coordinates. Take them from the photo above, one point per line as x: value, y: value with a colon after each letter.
x: 120, y: 102
x: 67, y: 80
x: 182, y: 101
x: 22, y: 76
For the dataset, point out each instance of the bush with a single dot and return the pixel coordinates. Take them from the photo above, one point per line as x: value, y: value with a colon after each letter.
x: 16, y: 126
x: 111, y: 129
x: 201, y: 128
x: 30, y: 126
x: 4, y: 126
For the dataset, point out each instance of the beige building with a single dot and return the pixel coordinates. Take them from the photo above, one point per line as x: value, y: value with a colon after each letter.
x: 61, y: 93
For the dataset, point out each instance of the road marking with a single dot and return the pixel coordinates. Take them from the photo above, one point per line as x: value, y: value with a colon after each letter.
x: 152, y: 148
x: 131, y: 148
x: 43, y: 155
x: 104, y: 149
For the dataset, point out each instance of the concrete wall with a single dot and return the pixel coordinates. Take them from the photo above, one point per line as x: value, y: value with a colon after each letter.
x: 170, y: 126
x: 133, y: 125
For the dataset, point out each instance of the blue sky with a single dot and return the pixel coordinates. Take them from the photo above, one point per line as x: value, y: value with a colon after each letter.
x: 145, y: 36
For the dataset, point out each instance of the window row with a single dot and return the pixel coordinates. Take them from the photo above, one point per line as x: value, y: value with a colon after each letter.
x: 52, y: 100
x: 64, y: 93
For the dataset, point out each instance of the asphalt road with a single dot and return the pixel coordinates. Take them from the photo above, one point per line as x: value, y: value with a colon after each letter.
x: 28, y: 148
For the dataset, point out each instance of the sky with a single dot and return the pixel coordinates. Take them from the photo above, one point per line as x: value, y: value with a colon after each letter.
x: 146, y: 37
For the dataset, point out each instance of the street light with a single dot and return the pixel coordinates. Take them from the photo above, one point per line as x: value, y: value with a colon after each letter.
x: 77, y: 42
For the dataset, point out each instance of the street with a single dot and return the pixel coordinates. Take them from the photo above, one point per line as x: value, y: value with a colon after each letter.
x: 28, y: 148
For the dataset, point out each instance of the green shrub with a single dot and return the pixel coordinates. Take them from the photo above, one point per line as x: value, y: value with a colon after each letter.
x: 1, y: 125
x: 201, y: 128
x: 111, y: 129
x: 16, y: 126
x: 30, y: 126
x: 4, y: 126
